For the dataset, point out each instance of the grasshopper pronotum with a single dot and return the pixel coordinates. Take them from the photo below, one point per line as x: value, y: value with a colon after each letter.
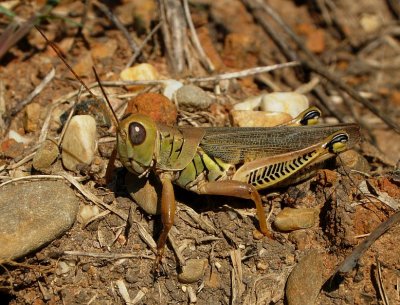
x: 222, y: 160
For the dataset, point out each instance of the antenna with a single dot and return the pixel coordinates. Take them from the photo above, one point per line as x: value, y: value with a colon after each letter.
x: 106, y: 98
x: 62, y: 57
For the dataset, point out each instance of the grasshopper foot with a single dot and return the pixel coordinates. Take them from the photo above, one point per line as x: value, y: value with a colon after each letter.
x: 157, y: 267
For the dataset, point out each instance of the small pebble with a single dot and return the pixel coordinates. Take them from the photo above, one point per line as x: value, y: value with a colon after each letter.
x: 170, y: 87
x: 192, y: 97
x: 370, y: 22
x: 250, y: 118
x: 131, y: 276
x: 142, y: 71
x: 62, y: 268
x: 85, y: 267
x: 34, y: 214
x: 45, y: 155
x: 353, y: 160
x: 262, y: 266
x: 293, y: 219
x: 87, y: 212
x: 11, y: 148
x: 32, y: 116
x: 154, y: 105
x: 305, y: 280
x: 13, y: 135
x: 251, y: 103
x: 288, y: 102
x: 301, y: 239
x: 192, y: 295
x: 143, y: 191
x: 257, y: 235
x: 79, y: 143
x: 192, y: 271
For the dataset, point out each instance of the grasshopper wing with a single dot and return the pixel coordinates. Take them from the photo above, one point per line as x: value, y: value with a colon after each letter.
x: 178, y: 146
x: 237, y: 144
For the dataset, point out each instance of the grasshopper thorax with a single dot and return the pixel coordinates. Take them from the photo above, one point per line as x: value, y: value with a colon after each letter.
x: 136, y: 142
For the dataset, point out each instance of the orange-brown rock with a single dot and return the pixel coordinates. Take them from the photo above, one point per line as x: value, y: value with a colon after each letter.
x: 156, y: 106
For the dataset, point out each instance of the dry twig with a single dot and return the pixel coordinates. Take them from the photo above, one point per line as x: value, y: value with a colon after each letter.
x: 243, y: 73
x: 381, y: 287
x: 110, y: 15
x: 142, y: 45
x: 49, y: 77
x: 103, y: 255
x: 350, y: 262
x: 203, y: 57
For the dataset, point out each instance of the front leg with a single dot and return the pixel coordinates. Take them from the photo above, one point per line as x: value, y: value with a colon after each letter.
x: 237, y: 189
x: 168, y: 207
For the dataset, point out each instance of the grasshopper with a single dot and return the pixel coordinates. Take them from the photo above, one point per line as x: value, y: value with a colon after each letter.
x: 226, y: 161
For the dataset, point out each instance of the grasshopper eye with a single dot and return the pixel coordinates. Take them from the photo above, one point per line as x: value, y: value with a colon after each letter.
x: 311, y: 117
x: 137, y: 133
x: 338, y: 143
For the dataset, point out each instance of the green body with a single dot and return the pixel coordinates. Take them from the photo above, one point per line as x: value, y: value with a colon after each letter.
x: 262, y: 157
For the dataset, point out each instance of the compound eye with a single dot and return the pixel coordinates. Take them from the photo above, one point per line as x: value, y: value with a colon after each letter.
x: 310, y: 118
x: 137, y: 133
x: 338, y: 143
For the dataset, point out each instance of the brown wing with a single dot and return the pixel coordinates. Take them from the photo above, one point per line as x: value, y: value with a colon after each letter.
x: 237, y: 144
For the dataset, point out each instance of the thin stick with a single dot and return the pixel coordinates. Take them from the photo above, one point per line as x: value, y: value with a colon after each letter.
x: 203, y: 56
x: 313, y: 63
x: 140, y: 48
x: 61, y: 56
x: 92, y: 197
x: 244, y: 73
x: 23, y: 160
x: 107, y: 255
x: 33, y: 177
x: 118, y: 24
x: 174, y: 32
x: 178, y: 253
x: 106, y: 98
x: 353, y: 93
x: 49, y: 77
x: 381, y: 287
x: 350, y: 262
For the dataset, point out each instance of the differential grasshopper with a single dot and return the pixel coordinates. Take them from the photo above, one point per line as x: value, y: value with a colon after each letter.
x: 226, y: 161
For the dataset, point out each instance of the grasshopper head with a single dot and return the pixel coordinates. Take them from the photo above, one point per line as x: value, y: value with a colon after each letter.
x: 136, y: 141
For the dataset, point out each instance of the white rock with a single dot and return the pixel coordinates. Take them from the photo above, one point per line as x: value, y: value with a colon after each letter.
x: 370, y: 22
x: 170, y: 87
x: 17, y: 137
x: 87, y: 212
x: 139, y: 72
x: 289, y: 102
x: 250, y: 118
x: 79, y: 143
x: 250, y: 103
x: 62, y: 268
